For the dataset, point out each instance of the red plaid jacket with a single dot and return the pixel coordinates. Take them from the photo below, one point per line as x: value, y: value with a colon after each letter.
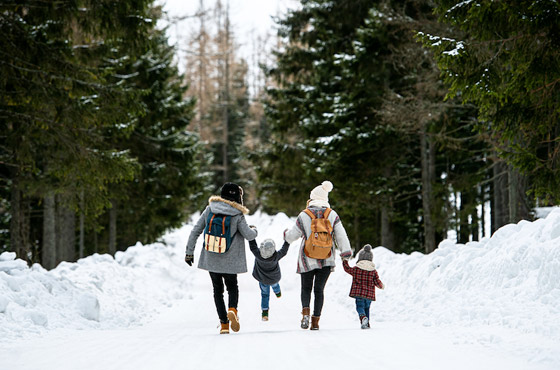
x: 363, y: 282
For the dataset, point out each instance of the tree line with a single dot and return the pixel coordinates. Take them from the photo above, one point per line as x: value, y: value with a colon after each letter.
x: 431, y: 118
x: 426, y: 115
x: 94, y: 151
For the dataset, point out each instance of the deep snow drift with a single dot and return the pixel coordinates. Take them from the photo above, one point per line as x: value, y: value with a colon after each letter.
x: 494, y: 290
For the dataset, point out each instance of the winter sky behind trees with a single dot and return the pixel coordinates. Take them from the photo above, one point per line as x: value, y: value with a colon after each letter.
x: 250, y: 18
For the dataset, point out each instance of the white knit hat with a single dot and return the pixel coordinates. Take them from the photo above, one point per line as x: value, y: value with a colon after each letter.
x: 321, y: 192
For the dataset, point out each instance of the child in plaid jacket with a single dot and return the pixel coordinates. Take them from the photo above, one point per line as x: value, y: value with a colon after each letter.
x: 364, y: 281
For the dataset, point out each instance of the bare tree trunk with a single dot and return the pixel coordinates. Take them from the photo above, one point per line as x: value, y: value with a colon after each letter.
x: 512, y: 193
x: 500, y: 214
x: 113, y: 228
x: 387, y: 234
x: 426, y: 152
x: 483, y: 211
x: 19, y: 223
x: 65, y: 226
x: 464, y: 229
x: 48, y: 254
x: 226, y: 49
x: 201, y: 98
x: 95, y: 242
x: 475, y: 219
x: 81, y: 246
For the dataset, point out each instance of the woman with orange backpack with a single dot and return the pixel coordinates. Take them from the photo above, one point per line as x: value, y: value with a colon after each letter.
x: 320, y: 229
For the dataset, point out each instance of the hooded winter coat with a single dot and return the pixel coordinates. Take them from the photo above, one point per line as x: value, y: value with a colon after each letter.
x: 267, y: 270
x: 234, y: 260
x: 364, y: 279
x: 302, y: 229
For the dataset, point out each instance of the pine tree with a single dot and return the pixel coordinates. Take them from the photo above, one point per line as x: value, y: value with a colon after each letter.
x: 506, y: 63
x: 358, y: 101
x: 168, y: 184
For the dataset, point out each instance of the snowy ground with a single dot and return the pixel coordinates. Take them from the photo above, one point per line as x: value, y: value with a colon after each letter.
x: 494, y: 304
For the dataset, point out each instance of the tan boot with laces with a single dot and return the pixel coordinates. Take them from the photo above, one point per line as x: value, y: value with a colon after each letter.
x: 233, y: 318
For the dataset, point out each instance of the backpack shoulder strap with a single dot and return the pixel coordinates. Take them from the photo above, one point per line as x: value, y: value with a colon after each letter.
x: 309, y: 213
x: 327, y: 213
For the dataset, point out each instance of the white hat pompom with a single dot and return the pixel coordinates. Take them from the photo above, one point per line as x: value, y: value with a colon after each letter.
x: 327, y: 186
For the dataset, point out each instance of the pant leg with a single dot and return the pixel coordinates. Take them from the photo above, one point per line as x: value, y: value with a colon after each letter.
x: 218, y: 286
x: 232, y: 288
x: 276, y: 288
x: 265, y: 295
x: 367, y: 305
x: 321, y: 277
x: 306, y: 287
x: 360, y: 306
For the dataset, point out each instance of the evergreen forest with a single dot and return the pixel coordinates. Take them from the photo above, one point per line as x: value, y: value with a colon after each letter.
x: 432, y: 118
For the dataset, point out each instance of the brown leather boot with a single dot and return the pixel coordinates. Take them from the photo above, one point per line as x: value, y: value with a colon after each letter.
x: 233, y: 319
x: 305, y: 318
x: 315, y: 322
x: 224, y: 329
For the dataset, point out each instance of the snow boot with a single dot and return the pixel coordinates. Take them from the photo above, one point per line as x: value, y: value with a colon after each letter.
x: 224, y: 328
x: 364, y: 321
x: 265, y: 315
x: 279, y: 294
x: 305, y: 318
x: 233, y: 318
x: 315, y: 322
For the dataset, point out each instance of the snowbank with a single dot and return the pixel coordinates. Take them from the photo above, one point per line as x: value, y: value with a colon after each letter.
x: 96, y: 292
x: 511, y: 280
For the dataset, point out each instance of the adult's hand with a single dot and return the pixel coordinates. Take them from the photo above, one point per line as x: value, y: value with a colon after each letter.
x: 189, y: 259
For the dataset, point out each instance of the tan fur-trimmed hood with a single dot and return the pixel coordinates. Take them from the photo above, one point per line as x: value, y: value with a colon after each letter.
x: 217, y: 198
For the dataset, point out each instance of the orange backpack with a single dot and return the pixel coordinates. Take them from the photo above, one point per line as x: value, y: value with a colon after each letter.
x: 319, y: 243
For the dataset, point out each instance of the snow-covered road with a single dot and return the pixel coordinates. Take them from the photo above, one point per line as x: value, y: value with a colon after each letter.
x: 186, y: 337
x: 493, y: 304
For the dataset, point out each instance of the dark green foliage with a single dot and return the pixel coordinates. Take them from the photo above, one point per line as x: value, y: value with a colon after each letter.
x: 91, y: 111
x: 355, y: 92
x: 324, y: 116
x: 507, y: 64
x: 168, y: 186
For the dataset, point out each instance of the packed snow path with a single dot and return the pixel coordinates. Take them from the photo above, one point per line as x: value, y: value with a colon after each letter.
x: 186, y: 337
x: 438, y: 311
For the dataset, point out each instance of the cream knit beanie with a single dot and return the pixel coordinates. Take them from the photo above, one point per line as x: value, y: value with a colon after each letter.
x: 321, y: 193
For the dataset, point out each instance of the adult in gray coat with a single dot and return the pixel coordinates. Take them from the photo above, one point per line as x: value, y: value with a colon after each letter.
x: 224, y: 267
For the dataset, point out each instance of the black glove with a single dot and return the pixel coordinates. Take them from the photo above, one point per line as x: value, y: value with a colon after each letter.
x: 189, y: 259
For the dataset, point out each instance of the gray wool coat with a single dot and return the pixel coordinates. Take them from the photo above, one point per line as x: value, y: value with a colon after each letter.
x: 234, y: 260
